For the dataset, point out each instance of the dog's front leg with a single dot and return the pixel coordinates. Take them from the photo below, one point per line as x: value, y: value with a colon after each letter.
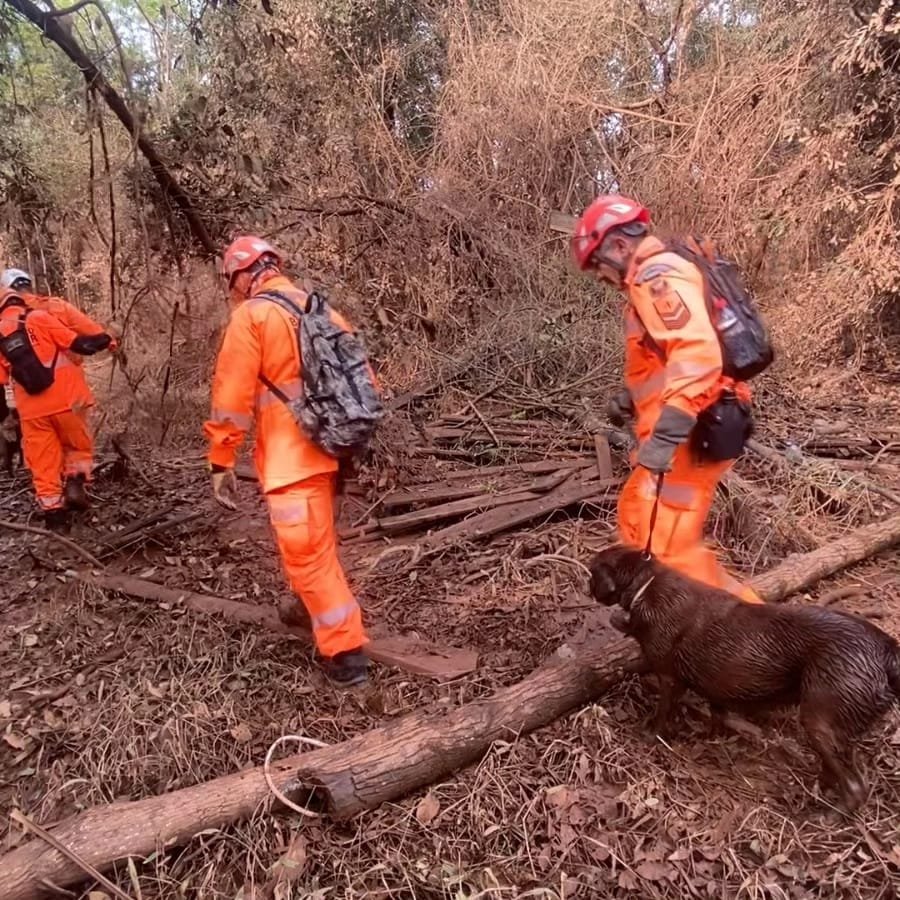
x: 620, y: 620
x: 670, y: 690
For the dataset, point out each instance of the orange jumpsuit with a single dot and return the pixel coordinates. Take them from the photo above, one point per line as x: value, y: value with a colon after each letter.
x: 297, y: 477
x: 55, y: 438
x: 673, y: 358
x: 69, y: 315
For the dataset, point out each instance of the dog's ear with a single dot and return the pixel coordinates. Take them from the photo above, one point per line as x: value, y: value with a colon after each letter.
x: 603, y: 585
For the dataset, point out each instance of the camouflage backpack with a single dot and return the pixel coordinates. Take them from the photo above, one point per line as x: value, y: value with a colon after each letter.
x: 340, y: 405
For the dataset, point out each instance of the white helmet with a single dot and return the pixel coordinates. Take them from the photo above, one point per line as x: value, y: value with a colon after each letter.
x: 15, y: 278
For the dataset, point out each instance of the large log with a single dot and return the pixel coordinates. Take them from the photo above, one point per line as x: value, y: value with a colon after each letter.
x: 386, y: 763
x: 358, y: 774
x: 801, y: 571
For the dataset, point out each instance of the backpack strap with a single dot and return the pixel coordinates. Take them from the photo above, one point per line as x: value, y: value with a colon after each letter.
x: 293, y: 309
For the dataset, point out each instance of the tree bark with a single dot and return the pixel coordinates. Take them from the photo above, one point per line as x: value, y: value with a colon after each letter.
x: 801, y: 571
x: 359, y: 774
x: 49, y: 24
x: 388, y: 762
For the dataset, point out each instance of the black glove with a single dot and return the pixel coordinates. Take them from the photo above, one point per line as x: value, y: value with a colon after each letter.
x: 4, y: 406
x: 89, y: 344
x: 673, y: 427
x: 620, y: 408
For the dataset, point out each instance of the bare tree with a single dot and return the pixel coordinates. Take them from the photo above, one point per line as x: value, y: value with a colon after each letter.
x: 49, y: 24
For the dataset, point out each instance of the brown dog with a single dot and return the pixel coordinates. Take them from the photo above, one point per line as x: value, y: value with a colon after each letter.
x: 842, y: 671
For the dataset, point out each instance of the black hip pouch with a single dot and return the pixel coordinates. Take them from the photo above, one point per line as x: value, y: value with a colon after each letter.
x: 722, y: 430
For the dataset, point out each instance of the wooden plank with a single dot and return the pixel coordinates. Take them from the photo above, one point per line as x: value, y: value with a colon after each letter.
x: 562, y: 222
x: 497, y: 520
x: 537, y: 467
x: 604, y: 458
x: 537, y: 438
x: 408, y: 654
x: 432, y: 514
x: 436, y: 492
x: 440, y: 491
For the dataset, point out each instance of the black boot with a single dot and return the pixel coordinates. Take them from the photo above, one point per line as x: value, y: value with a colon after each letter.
x: 75, y: 494
x: 348, y: 668
x: 57, y: 519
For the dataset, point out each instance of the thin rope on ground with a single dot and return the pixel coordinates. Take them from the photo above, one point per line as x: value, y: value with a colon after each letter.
x: 301, y: 739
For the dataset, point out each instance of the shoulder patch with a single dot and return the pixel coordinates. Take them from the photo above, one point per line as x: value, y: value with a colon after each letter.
x: 673, y: 312
x: 654, y: 270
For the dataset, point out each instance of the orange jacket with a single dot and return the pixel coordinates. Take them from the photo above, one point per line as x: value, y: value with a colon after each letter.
x: 672, y: 352
x: 261, y: 339
x: 50, y: 338
x: 71, y: 316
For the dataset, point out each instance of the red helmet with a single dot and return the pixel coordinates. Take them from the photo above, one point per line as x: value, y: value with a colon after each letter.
x: 243, y: 252
x: 605, y: 213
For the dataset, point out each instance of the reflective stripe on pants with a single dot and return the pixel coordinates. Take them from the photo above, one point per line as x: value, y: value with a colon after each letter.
x: 302, y: 515
x: 686, y: 497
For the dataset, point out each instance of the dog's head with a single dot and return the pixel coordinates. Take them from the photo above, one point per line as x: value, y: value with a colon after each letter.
x: 615, y: 572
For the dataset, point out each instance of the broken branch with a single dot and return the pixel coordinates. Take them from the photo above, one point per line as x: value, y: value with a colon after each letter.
x: 32, y: 529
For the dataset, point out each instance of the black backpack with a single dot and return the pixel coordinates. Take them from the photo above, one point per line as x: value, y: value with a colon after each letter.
x: 26, y: 368
x: 746, y: 348
x: 340, y: 405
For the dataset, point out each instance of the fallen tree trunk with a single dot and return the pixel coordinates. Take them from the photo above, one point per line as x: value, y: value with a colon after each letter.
x: 801, y: 571
x: 386, y: 763
x: 359, y: 774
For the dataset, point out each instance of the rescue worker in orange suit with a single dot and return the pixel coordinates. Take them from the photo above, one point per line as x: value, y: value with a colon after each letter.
x: 52, y: 397
x: 21, y: 282
x: 297, y: 477
x: 673, y: 372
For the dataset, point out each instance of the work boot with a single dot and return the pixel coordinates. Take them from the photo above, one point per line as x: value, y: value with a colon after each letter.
x: 57, y: 519
x: 75, y: 494
x: 292, y: 612
x: 348, y: 668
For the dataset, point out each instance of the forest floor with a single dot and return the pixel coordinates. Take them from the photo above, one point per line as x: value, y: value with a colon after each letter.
x: 105, y: 697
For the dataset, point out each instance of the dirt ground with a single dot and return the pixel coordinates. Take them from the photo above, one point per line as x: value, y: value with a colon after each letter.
x: 103, y: 697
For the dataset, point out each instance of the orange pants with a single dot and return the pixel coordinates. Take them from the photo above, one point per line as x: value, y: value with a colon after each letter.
x: 687, y: 495
x: 56, y: 447
x: 302, y: 515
